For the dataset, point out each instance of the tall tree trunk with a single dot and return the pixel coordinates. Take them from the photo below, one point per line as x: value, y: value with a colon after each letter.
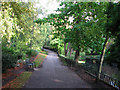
x: 71, y: 51
x: 103, y: 50
x: 76, y: 56
x: 65, y: 51
x: 68, y: 48
x: 102, y: 56
x: 77, y: 41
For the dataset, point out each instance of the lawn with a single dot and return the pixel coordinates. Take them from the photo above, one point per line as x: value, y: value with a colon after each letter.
x: 19, y: 81
x: 44, y: 52
x: 39, y: 59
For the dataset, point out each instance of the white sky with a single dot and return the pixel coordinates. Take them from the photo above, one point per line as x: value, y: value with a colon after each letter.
x: 49, y: 5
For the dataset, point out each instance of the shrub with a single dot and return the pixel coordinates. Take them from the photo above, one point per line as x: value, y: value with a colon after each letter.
x: 9, y: 58
x: 32, y: 52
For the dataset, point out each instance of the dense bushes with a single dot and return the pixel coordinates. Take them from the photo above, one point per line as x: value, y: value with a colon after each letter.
x: 31, y: 52
x: 9, y: 58
x: 17, y: 35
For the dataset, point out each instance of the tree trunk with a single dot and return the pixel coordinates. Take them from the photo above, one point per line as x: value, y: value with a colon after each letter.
x: 68, y: 48
x: 77, y: 41
x: 76, y: 56
x: 71, y: 51
x: 103, y: 52
x: 102, y: 56
x: 65, y: 51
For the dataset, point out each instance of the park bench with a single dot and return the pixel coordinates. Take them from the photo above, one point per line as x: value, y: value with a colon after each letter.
x: 30, y: 65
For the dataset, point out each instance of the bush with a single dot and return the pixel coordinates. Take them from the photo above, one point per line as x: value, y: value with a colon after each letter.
x: 9, y: 58
x: 32, y: 52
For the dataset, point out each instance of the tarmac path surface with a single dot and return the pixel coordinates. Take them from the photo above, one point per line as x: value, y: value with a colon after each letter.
x: 53, y: 74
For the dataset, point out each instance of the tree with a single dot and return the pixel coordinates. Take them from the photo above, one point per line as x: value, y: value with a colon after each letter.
x: 111, y: 24
x: 17, y: 30
x: 113, y: 31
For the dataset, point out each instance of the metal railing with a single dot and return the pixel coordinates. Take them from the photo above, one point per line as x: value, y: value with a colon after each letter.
x: 93, y: 70
x: 110, y: 80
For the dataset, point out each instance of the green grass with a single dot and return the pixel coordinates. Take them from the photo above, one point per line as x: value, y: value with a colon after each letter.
x: 19, y: 81
x: 39, y: 59
x: 44, y: 52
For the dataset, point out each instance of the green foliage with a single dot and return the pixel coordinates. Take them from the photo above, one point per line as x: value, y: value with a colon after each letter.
x: 9, y: 58
x: 92, y: 22
x: 32, y: 52
x: 85, y: 34
x: 113, y: 12
x: 20, y: 35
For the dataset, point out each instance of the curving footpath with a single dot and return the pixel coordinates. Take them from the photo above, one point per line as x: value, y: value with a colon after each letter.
x: 53, y: 74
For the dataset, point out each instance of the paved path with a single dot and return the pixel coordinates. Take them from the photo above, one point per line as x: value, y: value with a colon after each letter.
x: 53, y: 74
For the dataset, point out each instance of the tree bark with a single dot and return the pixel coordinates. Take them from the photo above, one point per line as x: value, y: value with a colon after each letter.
x: 68, y: 48
x: 103, y: 51
x: 65, y: 51
x: 76, y: 56
x: 77, y: 42
x: 102, y: 56
x: 70, y: 51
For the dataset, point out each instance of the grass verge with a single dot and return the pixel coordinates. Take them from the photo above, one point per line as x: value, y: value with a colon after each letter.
x: 44, y: 52
x: 39, y: 59
x: 19, y: 81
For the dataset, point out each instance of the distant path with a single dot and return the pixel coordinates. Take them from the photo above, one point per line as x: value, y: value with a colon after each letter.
x: 53, y: 74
